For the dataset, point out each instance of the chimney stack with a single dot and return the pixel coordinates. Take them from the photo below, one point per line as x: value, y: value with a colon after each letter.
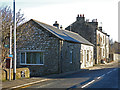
x: 80, y: 17
x: 56, y: 24
x: 83, y: 15
x: 100, y: 28
x: 94, y: 20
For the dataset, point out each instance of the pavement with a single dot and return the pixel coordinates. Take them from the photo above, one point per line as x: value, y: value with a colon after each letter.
x: 101, y: 66
x: 15, y: 84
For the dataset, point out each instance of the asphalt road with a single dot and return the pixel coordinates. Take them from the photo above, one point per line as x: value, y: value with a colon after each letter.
x: 106, y: 77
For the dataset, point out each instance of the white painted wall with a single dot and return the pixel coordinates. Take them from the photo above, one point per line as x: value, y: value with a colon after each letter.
x: 116, y: 57
x: 107, y: 46
x: 104, y: 45
x: 85, y: 62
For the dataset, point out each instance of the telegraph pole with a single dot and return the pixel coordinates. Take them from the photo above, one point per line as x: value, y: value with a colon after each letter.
x: 14, y: 20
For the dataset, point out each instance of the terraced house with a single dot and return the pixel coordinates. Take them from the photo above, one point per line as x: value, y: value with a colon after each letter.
x: 47, y: 49
x: 102, y: 46
x: 89, y: 31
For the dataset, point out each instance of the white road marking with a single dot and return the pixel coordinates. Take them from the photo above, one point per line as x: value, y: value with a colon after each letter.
x: 92, y: 81
x: 109, y: 72
x: 102, y: 75
x: 29, y: 84
x: 98, y: 77
x: 87, y: 84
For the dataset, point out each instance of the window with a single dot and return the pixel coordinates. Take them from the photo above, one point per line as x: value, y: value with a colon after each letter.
x: 91, y: 57
x: 32, y: 58
x: 98, y: 37
x: 87, y: 55
x: 85, y: 58
x: 22, y: 57
x: 103, y: 52
x: 71, y: 56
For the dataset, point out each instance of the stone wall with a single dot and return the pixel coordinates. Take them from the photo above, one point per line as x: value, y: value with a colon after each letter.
x: 5, y: 73
x: 38, y: 38
x: 87, y: 30
x: 57, y: 53
x: 70, y: 56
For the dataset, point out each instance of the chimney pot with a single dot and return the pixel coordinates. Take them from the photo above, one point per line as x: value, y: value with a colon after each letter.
x: 61, y: 27
x: 80, y: 15
x: 100, y: 28
x: 83, y: 15
x: 56, y: 24
x: 81, y: 18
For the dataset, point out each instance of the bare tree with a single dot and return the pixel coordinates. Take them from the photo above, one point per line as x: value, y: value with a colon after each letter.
x: 7, y: 21
x: 0, y: 39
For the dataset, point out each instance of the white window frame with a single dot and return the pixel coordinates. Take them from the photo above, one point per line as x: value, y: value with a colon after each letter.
x: 25, y: 51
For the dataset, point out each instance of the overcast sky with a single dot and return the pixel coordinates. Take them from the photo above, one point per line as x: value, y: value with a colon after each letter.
x: 66, y: 11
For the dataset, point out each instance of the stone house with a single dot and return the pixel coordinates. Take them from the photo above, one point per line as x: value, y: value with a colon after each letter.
x: 115, y: 51
x: 87, y: 30
x: 102, y: 46
x: 46, y: 49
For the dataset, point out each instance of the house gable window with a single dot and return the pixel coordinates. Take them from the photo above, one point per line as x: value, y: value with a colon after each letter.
x: 31, y: 58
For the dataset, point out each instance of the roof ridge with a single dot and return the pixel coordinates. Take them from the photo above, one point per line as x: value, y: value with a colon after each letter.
x: 43, y: 23
x: 55, y: 27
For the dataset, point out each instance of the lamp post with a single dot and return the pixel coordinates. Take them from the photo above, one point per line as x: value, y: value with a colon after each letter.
x: 14, y: 20
x: 10, y: 53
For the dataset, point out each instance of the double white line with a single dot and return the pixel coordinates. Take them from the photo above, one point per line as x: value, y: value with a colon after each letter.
x: 97, y: 78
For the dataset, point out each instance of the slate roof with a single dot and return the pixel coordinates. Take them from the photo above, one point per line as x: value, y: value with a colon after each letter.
x: 64, y: 34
